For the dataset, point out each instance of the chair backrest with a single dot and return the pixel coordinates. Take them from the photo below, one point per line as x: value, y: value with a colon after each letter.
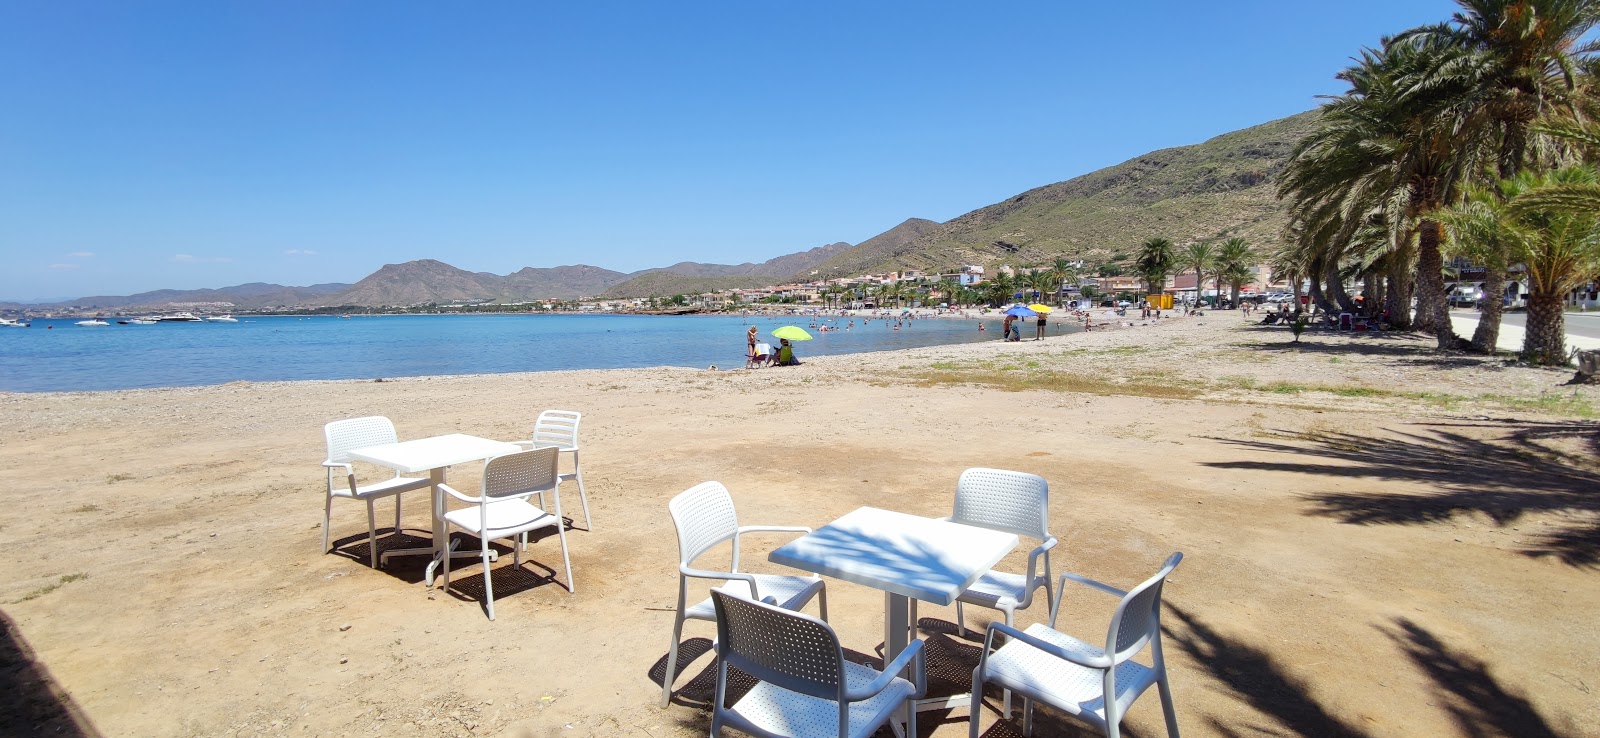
x: 520, y: 473
x: 1010, y: 501
x: 763, y: 349
x: 788, y: 649
x: 1138, y: 616
x: 557, y: 428
x: 346, y: 435
x: 704, y: 517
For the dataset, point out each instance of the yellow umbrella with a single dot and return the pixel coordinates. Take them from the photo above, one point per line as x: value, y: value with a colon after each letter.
x: 1041, y: 308
x: 792, y: 332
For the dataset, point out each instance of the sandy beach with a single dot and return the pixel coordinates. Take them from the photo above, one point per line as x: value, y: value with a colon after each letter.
x: 1379, y: 540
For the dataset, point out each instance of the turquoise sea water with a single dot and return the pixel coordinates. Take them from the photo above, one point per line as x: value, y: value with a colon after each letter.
x: 57, y: 355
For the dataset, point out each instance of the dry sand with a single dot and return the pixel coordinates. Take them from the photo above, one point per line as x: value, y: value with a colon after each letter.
x: 1380, y: 541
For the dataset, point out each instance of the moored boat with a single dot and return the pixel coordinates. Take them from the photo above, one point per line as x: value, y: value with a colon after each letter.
x: 92, y: 322
x: 222, y: 319
x: 179, y: 318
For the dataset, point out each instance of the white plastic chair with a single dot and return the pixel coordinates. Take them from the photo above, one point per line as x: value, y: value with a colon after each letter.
x: 1013, y: 502
x: 1095, y: 685
x: 559, y: 429
x: 344, y: 436
x: 704, y: 517
x: 806, y: 687
x: 503, y: 510
x: 762, y: 357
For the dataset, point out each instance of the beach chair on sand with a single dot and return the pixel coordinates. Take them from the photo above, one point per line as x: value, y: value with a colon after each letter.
x: 1094, y: 685
x: 704, y: 517
x: 501, y: 510
x: 762, y: 358
x: 559, y: 429
x: 342, y: 437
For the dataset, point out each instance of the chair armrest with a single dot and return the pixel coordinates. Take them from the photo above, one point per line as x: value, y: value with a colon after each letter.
x: 1092, y: 584
x: 524, y: 444
x: 988, y: 645
x: 729, y: 576
x: 337, y: 465
x: 773, y: 529
x: 453, y: 493
x: 912, y: 653
x: 1038, y: 551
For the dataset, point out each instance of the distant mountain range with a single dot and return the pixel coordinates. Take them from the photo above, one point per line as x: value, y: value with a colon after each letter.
x: 1223, y: 187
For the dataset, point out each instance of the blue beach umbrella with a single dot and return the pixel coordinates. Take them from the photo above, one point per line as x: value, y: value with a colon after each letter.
x: 1021, y: 311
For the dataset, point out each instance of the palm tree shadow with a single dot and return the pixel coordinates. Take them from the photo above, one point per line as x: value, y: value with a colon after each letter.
x: 1479, y: 704
x: 1511, y: 471
x: 1256, y: 677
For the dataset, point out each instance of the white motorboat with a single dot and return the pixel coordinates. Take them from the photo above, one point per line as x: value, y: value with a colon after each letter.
x: 179, y: 318
x: 222, y: 319
x: 144, y: 321
x: 93, y: 322
x: 9, y: 323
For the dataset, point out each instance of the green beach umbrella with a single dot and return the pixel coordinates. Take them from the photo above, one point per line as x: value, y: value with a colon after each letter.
x: 792, y: 332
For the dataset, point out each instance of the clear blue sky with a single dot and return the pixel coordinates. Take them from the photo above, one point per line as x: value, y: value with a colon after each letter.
x: 201, y: 144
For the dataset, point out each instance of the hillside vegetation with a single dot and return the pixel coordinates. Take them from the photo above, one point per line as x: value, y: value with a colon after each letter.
x: 1223, y: 187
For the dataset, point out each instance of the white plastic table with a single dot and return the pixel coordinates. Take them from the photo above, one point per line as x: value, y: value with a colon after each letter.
x: 433, y: 455
x: 906, y: 556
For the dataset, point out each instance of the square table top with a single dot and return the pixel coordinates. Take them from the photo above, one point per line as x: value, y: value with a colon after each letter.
x: 922, y: 558
x: 426, y: 454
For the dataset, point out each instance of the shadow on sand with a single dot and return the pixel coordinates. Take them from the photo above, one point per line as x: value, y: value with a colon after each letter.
x: 1515, y: 469
x: 31, y: 703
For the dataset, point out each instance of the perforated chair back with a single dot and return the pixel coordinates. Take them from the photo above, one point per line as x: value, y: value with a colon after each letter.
x: 1138, y: 616
x: 1010, y: 501
x: 557, y: 428
x: 794, y: 651
x: 704, y: 517
x: 521, y: 473
x: 346, y: 435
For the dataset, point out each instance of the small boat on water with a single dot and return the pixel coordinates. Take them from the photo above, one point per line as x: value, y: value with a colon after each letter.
x: 9, y: 323
x: 179, y: 318
x: 144, y: 321
x: 93, y: 322
x: 222, y: 319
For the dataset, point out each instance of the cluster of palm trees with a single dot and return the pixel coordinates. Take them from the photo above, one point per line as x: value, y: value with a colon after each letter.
x: 1462, y: 138
x: 1232, y: 262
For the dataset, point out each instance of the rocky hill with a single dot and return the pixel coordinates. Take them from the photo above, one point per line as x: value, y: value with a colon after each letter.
x: 1223, y: 187
x: 431, y: 281
x: 689, y: 278
x: 251, y: 296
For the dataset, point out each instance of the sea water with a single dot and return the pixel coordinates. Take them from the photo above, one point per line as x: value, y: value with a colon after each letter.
x: 58, y: 355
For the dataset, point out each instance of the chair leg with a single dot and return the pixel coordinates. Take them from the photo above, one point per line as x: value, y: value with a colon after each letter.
x: 397, y: 513
x: 577, y: 472
x: 446, y: 561
x: 327, y: 517
x: 488, y: 579
x: 961, y: 622
x: 915, y: 630
x: 911, y: 718
x: 822, y: 603
x: 976, y: 710
x: 516, y: 551
x: 672, y: 661
x: 1166, y: 704
x: 1027, y: 717
x: 372, y: 533
x: 1006, y: 695
x: 561, y: 530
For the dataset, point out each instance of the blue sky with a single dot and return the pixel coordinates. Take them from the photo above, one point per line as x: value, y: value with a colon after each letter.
x: 201, y: 144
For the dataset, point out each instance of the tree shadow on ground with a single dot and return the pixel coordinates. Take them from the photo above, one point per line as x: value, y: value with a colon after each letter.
x: 1258, y: 679
x: 1403, y: 349
x: 1479, y: 704
x: 1511, y: 472
x: 31, y: 703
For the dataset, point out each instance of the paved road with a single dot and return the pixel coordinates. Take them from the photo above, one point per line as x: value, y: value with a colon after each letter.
x: 1586, y: 325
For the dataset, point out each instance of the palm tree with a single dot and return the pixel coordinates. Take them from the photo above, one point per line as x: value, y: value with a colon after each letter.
x: 1199, y: 256
x: 1044, y: 282
x: 1235, y: 263
x: 1524, y: 57
x: 1542, y: 221
x: 1156, y: 261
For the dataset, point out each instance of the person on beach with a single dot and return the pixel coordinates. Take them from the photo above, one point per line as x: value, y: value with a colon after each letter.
x: 750, y: 338
x: 786, y: 353
x: 1005, y: 328
x: 1038, y: 330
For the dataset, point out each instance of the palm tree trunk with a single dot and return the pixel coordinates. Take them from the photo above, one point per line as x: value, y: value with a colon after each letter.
x: 1319, y: 299
x: 1336, y: 287
x: 1294, y: 281
x: 1398, y: 294
x: 1432, y: 308
x: 1546, y: 340
x: 1487, y: 335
